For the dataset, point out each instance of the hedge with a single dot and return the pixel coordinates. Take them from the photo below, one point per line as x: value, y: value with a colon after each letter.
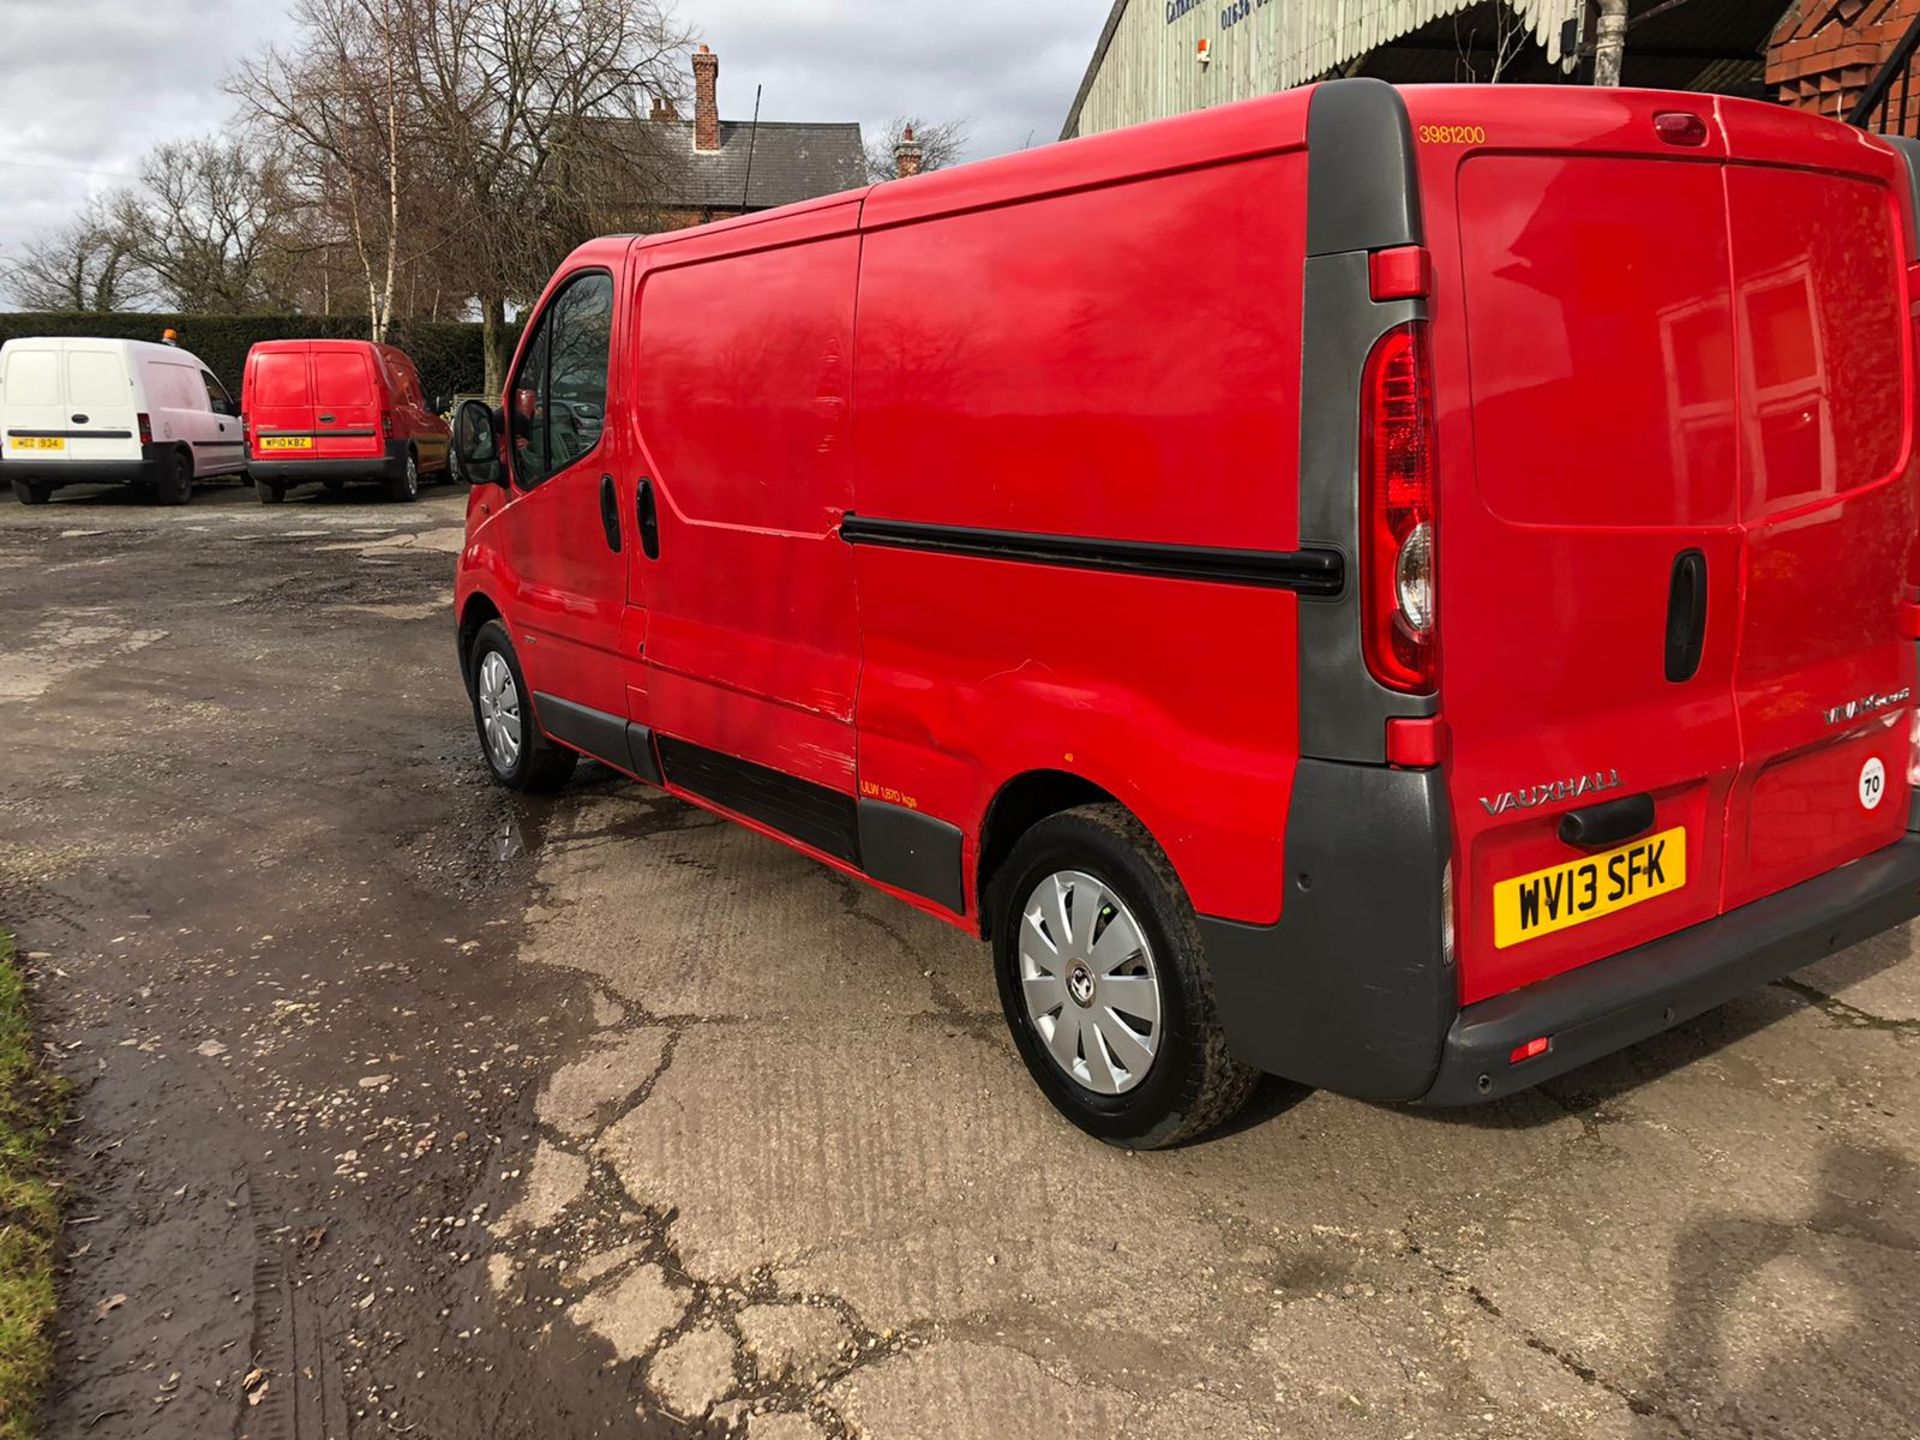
x: 448, y: 356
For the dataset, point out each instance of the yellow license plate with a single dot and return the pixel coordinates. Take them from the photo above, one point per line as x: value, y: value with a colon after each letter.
x: 286, y: 442
x: 1529, y: 906
x: 37, y: 442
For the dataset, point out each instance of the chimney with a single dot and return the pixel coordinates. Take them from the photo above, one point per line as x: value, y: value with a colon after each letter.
x: 706, y: 101
x: 906, y: 155
x: 664, y: 108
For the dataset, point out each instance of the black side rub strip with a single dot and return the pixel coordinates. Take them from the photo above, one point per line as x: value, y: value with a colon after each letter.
x: 70, y: 434
x: 1309, y: 572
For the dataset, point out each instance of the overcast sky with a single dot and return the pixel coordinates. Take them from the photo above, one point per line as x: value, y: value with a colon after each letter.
x: 90, y: 85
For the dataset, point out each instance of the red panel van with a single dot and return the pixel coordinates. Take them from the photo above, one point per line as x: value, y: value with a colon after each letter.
x: 330, y: 411
x: 1400, y: 590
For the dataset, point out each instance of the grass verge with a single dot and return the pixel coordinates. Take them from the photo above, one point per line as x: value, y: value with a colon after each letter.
x: 32, y: 1107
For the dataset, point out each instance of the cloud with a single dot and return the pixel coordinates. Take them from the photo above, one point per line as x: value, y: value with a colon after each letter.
x: 92, y: 85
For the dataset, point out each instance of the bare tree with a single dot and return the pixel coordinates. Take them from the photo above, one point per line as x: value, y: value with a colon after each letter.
x: 531, y: 111
x: 337, y: 103
x: 207, y: 224
x: 1610, y: 42
x: 1489, y: 47
x: 84, y: 266
x: 940, y: 146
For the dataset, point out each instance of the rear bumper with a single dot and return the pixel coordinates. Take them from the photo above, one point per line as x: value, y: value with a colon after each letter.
x: 1353, y: 992
x: 388, y: 466
x: 1619, y: 1001
x: 57, y: 473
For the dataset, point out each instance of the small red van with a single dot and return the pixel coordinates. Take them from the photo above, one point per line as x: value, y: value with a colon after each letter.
x: 331, y: 411
x: 1405, y: 591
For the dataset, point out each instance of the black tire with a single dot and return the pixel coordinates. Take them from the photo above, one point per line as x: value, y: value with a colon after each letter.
x: 405, y: 487
x: 32, y: 492
x: 174, y: 483
x: 1193, y: 1083
x: 541, y: 766
x: 271, y: 492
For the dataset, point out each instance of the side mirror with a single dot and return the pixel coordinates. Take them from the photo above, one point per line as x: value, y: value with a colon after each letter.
x: 476, y: 443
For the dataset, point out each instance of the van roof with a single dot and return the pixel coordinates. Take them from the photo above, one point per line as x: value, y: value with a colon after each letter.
x: 128, y: 350
x: 130, y: 347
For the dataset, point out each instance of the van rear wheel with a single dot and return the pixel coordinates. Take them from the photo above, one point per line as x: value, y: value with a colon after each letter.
x: 520, y: 757
x: 271, y: 492
x: 174, y: 484
x: 1104, y: 981
x: 32, y: 492
x: 406, y: 485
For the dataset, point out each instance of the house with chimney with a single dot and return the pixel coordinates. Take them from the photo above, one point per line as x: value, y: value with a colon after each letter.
x: 719, y: 168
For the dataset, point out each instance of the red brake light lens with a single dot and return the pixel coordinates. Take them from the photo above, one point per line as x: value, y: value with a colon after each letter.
x: 1397, y: 589
x: 1678, y: 127
x: 146, y: 429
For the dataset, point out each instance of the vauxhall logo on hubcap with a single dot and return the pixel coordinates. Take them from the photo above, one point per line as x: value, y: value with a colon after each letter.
x: 1080, y: 985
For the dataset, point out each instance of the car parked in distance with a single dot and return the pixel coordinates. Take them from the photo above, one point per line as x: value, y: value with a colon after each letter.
x: 1400, y: 590
x: 79, y: 411
x: 332, y: 411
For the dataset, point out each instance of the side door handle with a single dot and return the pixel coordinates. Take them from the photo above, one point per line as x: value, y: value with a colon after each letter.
x: 649, y: 518
x: 1686, y: 615
x: 326, y: 419
x: 610, y: 513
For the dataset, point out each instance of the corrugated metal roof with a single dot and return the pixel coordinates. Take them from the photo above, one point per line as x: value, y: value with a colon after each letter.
x: 1317, y: 36
x: 1144, y: 64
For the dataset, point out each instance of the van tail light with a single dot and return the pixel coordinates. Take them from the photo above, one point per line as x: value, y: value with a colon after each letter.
x: 1397, y: 592
x: 386, y: 423
x: 146, y: 429
x: 246, y: 427
x: 1913, y: 749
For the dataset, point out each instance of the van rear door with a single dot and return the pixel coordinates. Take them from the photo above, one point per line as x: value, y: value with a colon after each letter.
x: 279, y: 402
x: 1629, y: 606
x: 1823, y: 677
x: 68, y: 401
x: 346, y: 400
x: 33, y: 393
x: 1601, y: 465
x: 101, y: 413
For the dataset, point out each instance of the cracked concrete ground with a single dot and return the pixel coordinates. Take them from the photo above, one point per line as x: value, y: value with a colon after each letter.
x: 672, y: 1131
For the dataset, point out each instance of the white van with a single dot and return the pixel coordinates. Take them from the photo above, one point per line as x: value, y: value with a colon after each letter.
x: 78, y: 412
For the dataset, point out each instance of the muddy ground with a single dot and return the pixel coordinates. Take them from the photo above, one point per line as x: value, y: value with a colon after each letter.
x: 409, y: 1108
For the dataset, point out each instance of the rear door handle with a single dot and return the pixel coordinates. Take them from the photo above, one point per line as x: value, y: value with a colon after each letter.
x: 649, y: 518
x: 326, y: 419
x: 1608, y: 823
x: 610, y: 513
x: 1686, y: 615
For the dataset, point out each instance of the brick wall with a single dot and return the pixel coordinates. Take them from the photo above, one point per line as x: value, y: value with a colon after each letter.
x: 1824, y: 53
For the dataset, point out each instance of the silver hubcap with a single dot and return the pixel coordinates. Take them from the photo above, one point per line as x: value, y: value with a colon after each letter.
x: 499, y: 711
x: 413, y: 477
x: 1088, y: 979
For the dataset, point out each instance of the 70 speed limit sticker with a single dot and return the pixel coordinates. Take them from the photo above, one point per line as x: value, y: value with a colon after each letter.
x: 1873, y: 783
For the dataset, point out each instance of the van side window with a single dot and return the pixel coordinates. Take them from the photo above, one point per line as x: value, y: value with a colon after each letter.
x: 217, y: 396
x: 559, y: 395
